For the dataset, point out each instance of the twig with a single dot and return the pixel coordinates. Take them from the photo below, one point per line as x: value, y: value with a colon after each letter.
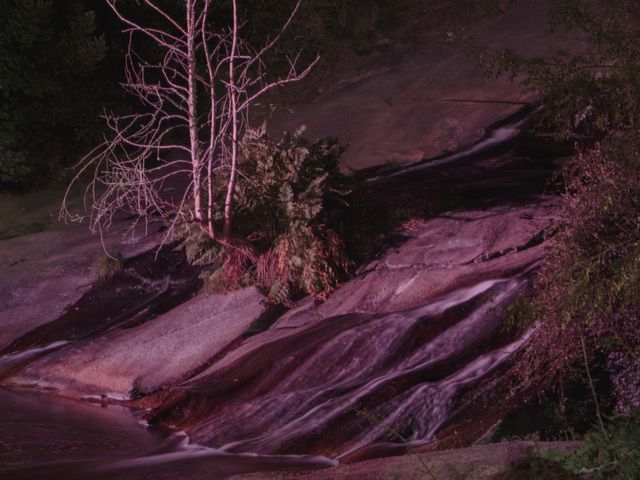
x: 593, y: 389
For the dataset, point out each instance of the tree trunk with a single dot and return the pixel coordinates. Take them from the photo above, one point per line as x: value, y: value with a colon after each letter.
x: 191, y: 100
x: 228, y: 207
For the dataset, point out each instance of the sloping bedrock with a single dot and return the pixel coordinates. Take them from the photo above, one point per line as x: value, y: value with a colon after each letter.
x: 420, y: 96
x: 441, y: 255
x: 480, y: 462
x: 139, y: 360
x: 42, y: 274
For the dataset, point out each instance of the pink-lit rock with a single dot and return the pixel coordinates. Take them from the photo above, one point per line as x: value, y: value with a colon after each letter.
x: 157, y: 353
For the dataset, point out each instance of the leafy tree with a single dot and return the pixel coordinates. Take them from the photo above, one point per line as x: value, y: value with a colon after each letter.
x: 587, y: 294
x: 594, y: 90
x: 50, y: 83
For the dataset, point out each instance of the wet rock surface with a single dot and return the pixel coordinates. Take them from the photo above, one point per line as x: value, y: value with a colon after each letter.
x: 439, y: 256
x: 137, y: 360
x: 43, y: 273
x: 421, y: 96
x: 402, y: 347
x: 392, y: 357
x: 390, y: 350
x: 483, y: 462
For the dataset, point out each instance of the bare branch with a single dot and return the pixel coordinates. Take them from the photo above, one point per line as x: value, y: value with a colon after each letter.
x: 195, y: 106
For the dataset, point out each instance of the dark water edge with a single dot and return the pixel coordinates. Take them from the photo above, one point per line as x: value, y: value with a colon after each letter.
x: 46, y: 437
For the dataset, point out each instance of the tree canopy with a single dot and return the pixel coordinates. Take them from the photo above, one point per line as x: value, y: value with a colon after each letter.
x: 51, y: 84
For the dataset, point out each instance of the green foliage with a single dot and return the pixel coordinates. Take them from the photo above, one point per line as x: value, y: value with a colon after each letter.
x: 612, y: 454
x: 589, y: 286
x: 285, y: 197
x: 285, y: 191
x: 229, y: 270
x: 307, y: 260
x: 14, y: 165
x: 199, y: 248
x: 596, y: 89
x: 50, y: 83
x: 286, y: 183
x: 319, y: 23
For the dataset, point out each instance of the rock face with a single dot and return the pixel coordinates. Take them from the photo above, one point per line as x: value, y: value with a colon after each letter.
x: 442, y: 254
x: 447, y: 252
x: 400, y: 342
x: 485, y: 462
x: 143, y: 359
x: 44, y: 273
x: 419, y: 96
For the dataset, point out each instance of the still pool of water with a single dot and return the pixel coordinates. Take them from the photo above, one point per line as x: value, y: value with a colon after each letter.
x: 45, y: 437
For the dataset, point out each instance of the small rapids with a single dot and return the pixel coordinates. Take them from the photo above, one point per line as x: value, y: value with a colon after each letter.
x: 360, y: 380
x: 343, y: 386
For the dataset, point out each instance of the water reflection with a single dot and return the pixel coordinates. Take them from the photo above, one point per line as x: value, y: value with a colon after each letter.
x: 43, y: 437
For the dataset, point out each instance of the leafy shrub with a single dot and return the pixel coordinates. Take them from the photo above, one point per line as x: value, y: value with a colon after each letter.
x: 593, y: 89
x: 589, y: 286
x: 611, y: 454
x: 308, y: 260
x: 230, y: 270
x: 286, y: 245
x: 624, y: 370
x: 14, y: 165
x: 199, y: 248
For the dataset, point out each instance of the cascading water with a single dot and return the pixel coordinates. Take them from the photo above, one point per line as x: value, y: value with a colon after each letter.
x: 386, y: 377
x: 48, y: 438
x: 328, y: 389
x: 363, y: 379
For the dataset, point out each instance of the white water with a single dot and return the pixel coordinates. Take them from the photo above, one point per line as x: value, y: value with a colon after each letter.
x: 184, y: 450
x: 339, y: 378
x: 365, y: 359
x: 497, y: 137
x: 13, y: 359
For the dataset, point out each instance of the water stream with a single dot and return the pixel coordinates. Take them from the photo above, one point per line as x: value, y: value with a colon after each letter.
x: 48, y: 438
x: 341, y: 385
x: 360, y: 380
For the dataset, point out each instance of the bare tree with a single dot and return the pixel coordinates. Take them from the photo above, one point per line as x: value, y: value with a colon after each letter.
x: 196, y: 104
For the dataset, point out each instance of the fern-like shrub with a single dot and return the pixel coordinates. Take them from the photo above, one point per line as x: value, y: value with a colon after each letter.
x: 284, y: 200
x: 609, y: 454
